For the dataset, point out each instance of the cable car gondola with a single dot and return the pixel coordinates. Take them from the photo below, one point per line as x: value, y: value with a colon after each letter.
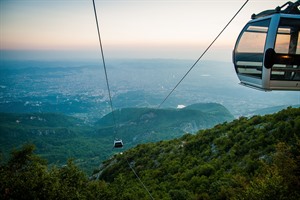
x: 267, y: 52
x: 118, y: 143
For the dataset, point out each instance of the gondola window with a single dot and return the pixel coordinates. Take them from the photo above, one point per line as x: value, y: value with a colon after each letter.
x: 250, y: 49
x: 287, y: 42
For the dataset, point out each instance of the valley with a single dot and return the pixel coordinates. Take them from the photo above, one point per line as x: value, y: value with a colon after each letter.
x: 59, y: 137
x: 72, y: 97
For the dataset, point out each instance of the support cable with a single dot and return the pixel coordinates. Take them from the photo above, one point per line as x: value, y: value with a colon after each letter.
x: 137, y: 176
x: 203, y: 54
x: 110, y: 99
x: 105, y: 71
x: 108, y: 88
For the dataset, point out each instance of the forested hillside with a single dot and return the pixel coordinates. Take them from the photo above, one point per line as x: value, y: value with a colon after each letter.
x: 256, y: 158
x: 59, y: 137
x: 56, y: 136
x: 140, y: 125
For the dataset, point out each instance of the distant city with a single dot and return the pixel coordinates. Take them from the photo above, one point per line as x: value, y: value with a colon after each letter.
x: 79, y: 88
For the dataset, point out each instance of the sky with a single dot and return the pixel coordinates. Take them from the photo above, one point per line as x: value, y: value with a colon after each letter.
x: 176, y: 29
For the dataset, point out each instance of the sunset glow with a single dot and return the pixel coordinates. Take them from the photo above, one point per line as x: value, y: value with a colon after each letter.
x: 167, y: 28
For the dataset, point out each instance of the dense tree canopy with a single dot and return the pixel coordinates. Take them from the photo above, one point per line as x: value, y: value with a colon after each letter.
x: 256, y: 158
x: 59, y: 137
x: 229, y: 161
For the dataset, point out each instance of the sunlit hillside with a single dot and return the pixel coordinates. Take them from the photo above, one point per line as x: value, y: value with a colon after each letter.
x: 255, y: 158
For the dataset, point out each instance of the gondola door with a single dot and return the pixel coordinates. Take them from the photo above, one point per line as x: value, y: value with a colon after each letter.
x: 248, y: 55
x: 285, y: 72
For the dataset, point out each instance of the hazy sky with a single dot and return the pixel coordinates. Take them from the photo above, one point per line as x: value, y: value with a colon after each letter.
x: 57, y: 29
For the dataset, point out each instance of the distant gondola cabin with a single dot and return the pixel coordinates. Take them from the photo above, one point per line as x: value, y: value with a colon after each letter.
x: 118, y: 143
x: 267, y: 52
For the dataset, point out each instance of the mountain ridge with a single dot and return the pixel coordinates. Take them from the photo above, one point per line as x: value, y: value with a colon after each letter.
x: 253, y: 158
x: 54, y: 133
x: 247, y: 158
x: 213, y: 112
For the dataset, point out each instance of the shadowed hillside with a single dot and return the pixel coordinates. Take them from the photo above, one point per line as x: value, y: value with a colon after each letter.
x: 140, y: 125
x: 59, y: 137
